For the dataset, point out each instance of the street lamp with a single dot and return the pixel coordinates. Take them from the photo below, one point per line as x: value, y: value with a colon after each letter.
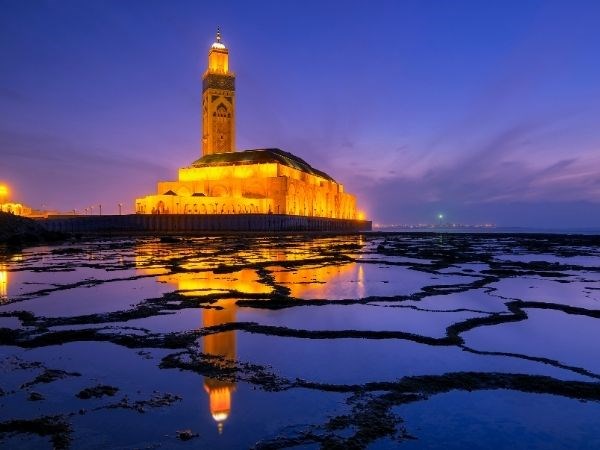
x: 100, y: 208
x: 440, y: 218
x: 3, y: 195
x: 120, y: 206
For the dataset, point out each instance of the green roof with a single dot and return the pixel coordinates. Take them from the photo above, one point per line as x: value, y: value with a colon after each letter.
x: 259, y: 156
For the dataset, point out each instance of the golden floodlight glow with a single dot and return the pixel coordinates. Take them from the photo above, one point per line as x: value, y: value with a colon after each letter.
x: 360, y: 215
x: 3, y: 191
x: 218, y: 59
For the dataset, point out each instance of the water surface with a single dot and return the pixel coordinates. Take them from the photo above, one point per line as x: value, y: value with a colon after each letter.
x: 378, y: 340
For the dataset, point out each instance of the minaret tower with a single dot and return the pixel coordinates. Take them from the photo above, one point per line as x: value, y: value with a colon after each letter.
x: 218, y: 102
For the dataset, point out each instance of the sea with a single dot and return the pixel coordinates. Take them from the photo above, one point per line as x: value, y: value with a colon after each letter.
x: 441, y: 339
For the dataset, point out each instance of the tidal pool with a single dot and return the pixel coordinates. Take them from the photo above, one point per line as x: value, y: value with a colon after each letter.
x: 375, y: 340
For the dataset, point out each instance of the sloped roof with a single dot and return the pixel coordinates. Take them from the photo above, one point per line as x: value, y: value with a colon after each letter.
x: 259, y: 156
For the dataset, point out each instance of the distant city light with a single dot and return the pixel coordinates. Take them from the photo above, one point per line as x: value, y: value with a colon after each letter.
x: 440, y: 216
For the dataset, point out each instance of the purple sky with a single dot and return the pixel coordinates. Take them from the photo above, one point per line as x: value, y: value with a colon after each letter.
x: 487, y: 111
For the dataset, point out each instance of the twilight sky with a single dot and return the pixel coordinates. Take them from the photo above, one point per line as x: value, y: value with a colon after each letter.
x: 487, y: 111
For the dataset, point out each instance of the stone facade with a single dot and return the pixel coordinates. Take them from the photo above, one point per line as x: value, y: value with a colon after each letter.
x: 267, y: 187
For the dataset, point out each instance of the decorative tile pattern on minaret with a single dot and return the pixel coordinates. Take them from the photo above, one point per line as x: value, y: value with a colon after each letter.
x: 218, y: 102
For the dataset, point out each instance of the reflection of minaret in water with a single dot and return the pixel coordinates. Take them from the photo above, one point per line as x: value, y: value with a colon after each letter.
x: 222, y: 345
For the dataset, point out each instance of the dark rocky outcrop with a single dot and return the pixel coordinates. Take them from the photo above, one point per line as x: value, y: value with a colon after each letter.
x: 17, y: 231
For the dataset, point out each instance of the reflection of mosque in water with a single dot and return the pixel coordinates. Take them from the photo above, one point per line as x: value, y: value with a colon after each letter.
x: 311, y: 280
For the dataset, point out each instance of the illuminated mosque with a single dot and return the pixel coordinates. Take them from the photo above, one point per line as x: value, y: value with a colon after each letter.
x: 226, y: 181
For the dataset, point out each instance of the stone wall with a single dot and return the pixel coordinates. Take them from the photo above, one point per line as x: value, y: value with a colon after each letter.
x: 194, y: 223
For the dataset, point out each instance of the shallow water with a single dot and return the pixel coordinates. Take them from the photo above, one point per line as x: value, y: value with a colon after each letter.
x: 362, y: 341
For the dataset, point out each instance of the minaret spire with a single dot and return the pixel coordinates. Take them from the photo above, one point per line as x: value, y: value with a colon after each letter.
x: 219, y: 34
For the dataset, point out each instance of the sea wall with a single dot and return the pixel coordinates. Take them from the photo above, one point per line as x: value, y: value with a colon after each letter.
x: 198, y: 223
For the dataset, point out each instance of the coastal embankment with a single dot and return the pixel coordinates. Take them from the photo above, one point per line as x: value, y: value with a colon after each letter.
x: 198, y: 223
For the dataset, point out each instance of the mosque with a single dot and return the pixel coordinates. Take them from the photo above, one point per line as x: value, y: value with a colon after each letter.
x: 226, y: 181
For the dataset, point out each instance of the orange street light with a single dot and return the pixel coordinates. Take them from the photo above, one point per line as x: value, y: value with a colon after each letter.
x: 3, y: 194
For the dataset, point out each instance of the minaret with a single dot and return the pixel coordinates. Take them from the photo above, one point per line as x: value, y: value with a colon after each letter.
x: 218, y: 102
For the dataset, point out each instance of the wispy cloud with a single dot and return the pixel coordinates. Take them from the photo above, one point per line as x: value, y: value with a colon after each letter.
x: 500, y: 171
x: 36, y: 149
